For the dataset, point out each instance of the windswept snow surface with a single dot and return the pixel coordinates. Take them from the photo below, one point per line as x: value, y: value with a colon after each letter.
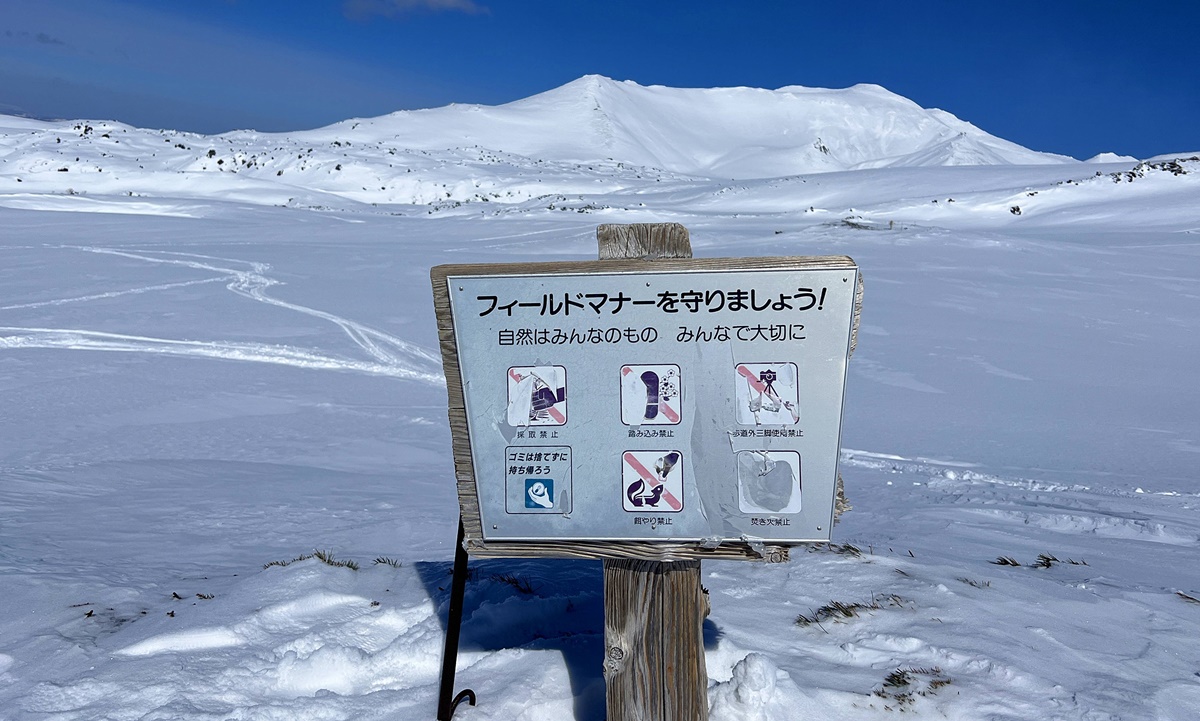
x: 205, y: 371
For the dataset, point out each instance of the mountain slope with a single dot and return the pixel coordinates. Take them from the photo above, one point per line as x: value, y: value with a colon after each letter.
x: 717, y: 132
x: 593, y: 134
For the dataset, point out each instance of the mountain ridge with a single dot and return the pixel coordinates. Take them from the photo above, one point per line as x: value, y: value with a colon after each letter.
x: 731, y: 133
x: 736, y: 132
x: 591, y: 144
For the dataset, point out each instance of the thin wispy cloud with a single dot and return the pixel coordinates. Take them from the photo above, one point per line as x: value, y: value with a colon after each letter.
x: 24, y: 36
x: 361, y: 9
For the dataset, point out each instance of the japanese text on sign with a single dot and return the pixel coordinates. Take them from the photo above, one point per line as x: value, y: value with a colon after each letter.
x: 776, y: 332
x: 668, y: 301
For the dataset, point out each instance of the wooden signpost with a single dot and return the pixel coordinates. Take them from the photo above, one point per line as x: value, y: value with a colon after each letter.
x: 650, y: 410
x: 654, y: 611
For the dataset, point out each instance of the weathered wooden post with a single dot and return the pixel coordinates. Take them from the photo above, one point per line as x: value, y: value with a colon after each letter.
x: 653, y: 610
x: 652, y: 410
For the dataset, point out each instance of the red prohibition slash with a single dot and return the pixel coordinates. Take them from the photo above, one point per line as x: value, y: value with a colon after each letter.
x: 554, y: 412
x: 757, y: 385
x: 669, y: 412
x: 663, y: 406
x: 653, y: 480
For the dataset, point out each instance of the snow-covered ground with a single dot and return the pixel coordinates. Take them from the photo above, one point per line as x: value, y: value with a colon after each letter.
x: 207, y: 367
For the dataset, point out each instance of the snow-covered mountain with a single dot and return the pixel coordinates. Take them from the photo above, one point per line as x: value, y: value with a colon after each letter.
x: 625, y: 128
x: 719, y: 132
x: 224, y: 358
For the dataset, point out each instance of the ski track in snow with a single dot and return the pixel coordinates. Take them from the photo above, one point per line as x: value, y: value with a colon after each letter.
x: 110, y: 294
x: 391, y: 356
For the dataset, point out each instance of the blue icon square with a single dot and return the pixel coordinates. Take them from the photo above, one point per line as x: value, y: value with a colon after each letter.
x: 539, y: 493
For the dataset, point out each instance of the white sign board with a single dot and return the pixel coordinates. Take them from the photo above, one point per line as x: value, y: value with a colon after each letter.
x: 686, y: 400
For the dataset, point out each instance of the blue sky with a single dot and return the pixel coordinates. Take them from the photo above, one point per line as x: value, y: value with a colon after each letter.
x: 1070, y: 76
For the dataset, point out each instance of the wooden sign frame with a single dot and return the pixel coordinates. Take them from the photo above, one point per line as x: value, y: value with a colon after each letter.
x: 654, y: 260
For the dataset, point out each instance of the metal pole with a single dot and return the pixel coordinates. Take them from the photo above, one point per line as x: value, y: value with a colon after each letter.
x: 447, y: 704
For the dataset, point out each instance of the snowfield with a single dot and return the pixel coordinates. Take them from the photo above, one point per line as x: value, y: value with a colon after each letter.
x: 218, y: 356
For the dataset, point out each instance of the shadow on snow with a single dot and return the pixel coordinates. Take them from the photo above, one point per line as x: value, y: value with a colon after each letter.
x: 537, y: 604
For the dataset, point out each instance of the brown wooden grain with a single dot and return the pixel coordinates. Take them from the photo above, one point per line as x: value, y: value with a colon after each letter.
x: 464, y: 469
x: 647, y: 550
x: 653, y: 639
x: 653, y: 610
x: 649, y: 241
